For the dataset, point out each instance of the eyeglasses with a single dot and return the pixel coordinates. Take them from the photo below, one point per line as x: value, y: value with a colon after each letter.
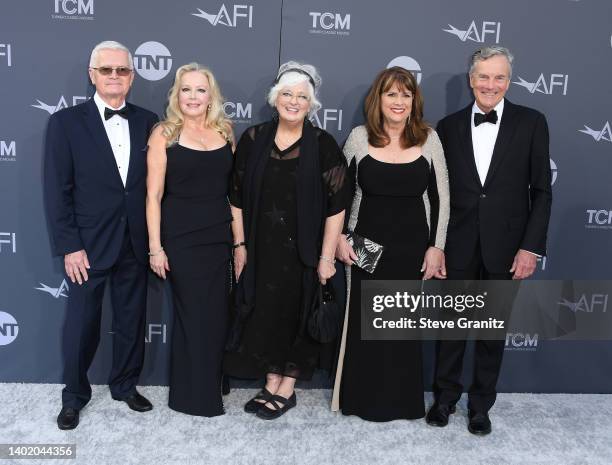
x: 286, y: 95
x: 108, y: 70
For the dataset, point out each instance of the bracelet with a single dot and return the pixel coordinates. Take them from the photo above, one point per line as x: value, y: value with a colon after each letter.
x: 238, y: 244
x: 328, y: 260
x: 161, y: 249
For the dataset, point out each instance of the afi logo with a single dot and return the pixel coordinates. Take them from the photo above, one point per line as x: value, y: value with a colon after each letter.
x: 604, y: 134
x: 238, y: 111
x: 8, y: 150
x: 542, y: 263
x: 61, y: 104
x: 596, y: 301
x: 156, y: 330
x: 152, y: 61
x: 56, y: 292
x: 8, y: 241
x: 409, y: 64
x: 328, y: 21
x: 476, y: 34
x: 601, y: 219
x: 553, y: 172
x: 73, y: 7
x: 545, y: 85
x: 9, y: 329
x: 5, y: 51
x: 332, y: 118
x: 223, y: 17
x: 520, y: 341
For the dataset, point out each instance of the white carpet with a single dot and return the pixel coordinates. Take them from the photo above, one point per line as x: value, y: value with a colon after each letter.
x: 560, y: 429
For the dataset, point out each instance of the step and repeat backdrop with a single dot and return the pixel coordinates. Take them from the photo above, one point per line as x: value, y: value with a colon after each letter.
x: 563, y: 64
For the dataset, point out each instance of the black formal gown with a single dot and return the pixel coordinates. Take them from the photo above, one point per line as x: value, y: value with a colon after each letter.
x: 197, y: 239
x: 383, y: 380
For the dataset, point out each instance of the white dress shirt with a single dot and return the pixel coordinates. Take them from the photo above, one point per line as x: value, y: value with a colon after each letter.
x: 483, y: 140
x: 118, y: 132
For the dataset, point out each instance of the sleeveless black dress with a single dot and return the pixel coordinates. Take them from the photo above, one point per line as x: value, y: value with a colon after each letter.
x: 196, y: 237
x: 383, y: 380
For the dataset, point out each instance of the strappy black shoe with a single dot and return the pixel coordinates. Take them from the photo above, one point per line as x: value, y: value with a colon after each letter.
x: 253, y: 405
x: 267, y: 413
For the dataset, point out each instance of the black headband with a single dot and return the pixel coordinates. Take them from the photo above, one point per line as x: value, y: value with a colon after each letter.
x: 296, y: 70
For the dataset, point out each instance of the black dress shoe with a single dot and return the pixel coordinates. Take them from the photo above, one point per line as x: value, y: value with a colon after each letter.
x: 253, y: 405
x: 68, y: 418
x: 281, y: 405
x: 137, y: 402
x: 438, y: 414
x: 479, y: 424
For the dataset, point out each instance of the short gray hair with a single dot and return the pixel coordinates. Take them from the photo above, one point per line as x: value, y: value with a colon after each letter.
x: 485, y: 53
x: 303, y: 73
x: 109, y: 45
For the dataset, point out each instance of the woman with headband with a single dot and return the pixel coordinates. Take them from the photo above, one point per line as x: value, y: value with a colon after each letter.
x: 287, y: 197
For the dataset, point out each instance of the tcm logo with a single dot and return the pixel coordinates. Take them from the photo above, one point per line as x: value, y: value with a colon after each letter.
x: 73, y: 9
x: 586, y: 304
x: 238, y: 112
x: 328, y: 118
x: 553, y: 172
x: 152, y: 61
x: 156, y: 331
x: 604, y: 134
x: 8, y: 242
x: 409, y: 64
x: 9, y: 329
x: 521, y: 341
x: 61, y: 104
x: 8, y: 150
x: 330, y: 23
x: 545, y: 85
x: 5, y: 51
x: 599, y: 219
x: 56, y: 292
x: 476, y: 33
x: 240, y: 14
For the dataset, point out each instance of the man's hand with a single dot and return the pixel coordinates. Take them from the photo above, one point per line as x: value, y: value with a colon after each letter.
x: 77, y: 264
x: 524, y: 264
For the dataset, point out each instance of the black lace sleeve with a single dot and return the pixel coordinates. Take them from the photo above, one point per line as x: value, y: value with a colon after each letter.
x: 434, y: 203
x: 240, y: 157
x: 334, y: 172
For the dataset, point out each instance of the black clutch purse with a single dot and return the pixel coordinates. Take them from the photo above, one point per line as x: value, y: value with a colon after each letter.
x: 368, y: 252
x: 326, y: 317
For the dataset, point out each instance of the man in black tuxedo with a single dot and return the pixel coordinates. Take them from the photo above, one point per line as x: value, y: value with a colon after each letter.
x: 499, y: 174
x: 94, y: 184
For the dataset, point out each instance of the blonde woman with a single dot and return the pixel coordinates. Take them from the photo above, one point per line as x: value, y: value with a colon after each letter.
x: 188, y: 219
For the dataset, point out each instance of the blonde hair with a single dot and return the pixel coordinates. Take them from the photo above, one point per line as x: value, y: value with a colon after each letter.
x: 215, y: 116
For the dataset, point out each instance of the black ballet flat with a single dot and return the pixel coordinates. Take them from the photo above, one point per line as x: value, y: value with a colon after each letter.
x: 267, y: 413
x: 252, y: 406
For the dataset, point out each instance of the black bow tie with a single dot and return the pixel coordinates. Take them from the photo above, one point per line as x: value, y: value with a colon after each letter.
x: 480, y: 118
x: 108, y: 113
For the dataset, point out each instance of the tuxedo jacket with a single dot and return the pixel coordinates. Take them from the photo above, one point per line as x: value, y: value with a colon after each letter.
x: 512, y: 209
x: 87, y: 204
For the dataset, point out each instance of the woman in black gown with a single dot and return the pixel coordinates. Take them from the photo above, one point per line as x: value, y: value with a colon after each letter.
x: 189, y: 166
x: 288, y: 198
x: 401, y: 201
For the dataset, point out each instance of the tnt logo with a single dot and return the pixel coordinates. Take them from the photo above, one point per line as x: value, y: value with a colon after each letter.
x: 477, y: 33
x: 330, y: 119
x: 605, y: 134
x: 156, y: 331
x: 409, y: 64
x: 545, y: 84
x: 238, y: 112
x: 73, y: 9
x: 8, y: 150
x: 5, y: 51
x: 61, y: 104
x: 152, y: 61
x: 8, y: 242
x: 240, y: 14
x: 521, y: 341
x: 9, y: 329
x: 55, y: 292
x: 330, y: 23
x: 587, y: 304
x: 599, y: 219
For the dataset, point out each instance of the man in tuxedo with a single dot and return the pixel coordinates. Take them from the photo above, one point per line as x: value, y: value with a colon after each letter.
x: 499, y: 175
x: 94, y: 184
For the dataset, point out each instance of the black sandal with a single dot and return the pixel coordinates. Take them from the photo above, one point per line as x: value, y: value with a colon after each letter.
x: 253, y: 405
x: 267, y: 413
